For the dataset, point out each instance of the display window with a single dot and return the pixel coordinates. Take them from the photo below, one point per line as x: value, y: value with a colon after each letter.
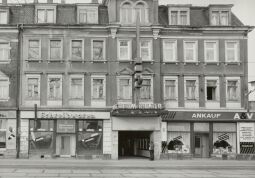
x: 2, y: 133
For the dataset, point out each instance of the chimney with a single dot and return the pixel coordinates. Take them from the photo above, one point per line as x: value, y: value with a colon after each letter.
x: 95, y: 1
x: 4, y: 2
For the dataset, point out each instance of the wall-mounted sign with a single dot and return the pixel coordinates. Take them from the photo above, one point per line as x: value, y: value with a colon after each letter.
x: 209, y: 116
x: 66, y: 126
x: 139, y: 106
x: 7, y: 114
x: 246, y: 131
x: 72, y: 115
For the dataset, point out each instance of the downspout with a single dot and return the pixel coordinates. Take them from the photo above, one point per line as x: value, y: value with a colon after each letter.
x: 20, y: 39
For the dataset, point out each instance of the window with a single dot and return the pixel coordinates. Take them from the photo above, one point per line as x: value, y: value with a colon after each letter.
x: 55, y: 49
x: 98, y: 88
x: 54, y: 87
x: 171, y: 88
x: 232, y: 51
x: 2, y: 133
x: 34, y: 50
x: 212, y: 89
x: 76, y: 91
x: 98, y: 50
x: 190, y: 51
x: 126, y: 13
x: 179, y: 16
x: 90, y: 137
x: 211, y: 51
x: 233, y: 89
x: 88, y: 15
x: 4, y: 52
x: 4, y: 89
x: 169, y: 50
x: 191, y: 88
x: 220, y: 17
x: 33, y: 87
x: 124, y: 49
x: 77, y: 50
x: 142, y: 10
x: 46, y: 15
x: 125, y: 88
x: 146, y: 89
x: 3, y: 17
x: 146, y: 50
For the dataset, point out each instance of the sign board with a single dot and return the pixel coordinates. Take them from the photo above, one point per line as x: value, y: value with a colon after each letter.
x: 72, y: 115
x: 206, y: 116
x: 246, y: 131
x: 7, y: 114
x: 139, y: 106
x: 66, y: 126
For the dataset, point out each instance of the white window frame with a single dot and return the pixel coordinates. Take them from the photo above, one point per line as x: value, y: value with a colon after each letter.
x: 48, y: 87
x: 118, y: 87
x: 220, y: 11
x: 238, y: 89
x: 170, y: 9
x: 237, y: 50
x: 40, y: 48
x: 104, y: 49
x: 39, y: 85
x: 131, y: 9
x: 149, y: 48
x: 146, y: 12
x: 104, y: 87
x: 195, y: 50
x: 6, y: 83
x: 8, y: 49
x: 175, y: 78
x: 152, y: 87
x: 215, y: 50
x: 75, y: 76
x: 61, y: 49
x: 82, y: 46
x: 45, y: 8
x: 217, y: 94
x: 129, y: 49
x: 87, y: 8
x: 165, y: 57
x: 7, y: 16
x: 196, y: 90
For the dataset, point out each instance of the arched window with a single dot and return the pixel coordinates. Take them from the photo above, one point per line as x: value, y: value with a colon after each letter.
x: 142, y: 9
x: 126, y: 13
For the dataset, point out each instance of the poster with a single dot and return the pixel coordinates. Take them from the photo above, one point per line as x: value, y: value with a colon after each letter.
x: 246, y: 131
x: 11, y: 134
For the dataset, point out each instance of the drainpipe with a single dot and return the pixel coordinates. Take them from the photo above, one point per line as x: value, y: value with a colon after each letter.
x: 18, y: 131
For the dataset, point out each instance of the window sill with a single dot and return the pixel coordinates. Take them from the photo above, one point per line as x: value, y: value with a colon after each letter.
x: 171, y: 62
x: 55, y: 60
x: 148, y: 61
x: 98, y: 99
x: 4, y: 99
x: 191, y: 62
x: 98, y: 61
x: 125, y: 61
x: 34, y: 60
x: 54, y: 99
x: 5, y: 61
x: 32, y: 99
x: 212, y: 63
x: 76, y: 99
x: 77, y: 60
x: 173, y: 100
x: 233, y: 63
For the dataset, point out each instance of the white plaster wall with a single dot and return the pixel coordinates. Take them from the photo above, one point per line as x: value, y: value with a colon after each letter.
x: 24, y: 133
x: 107, y: 139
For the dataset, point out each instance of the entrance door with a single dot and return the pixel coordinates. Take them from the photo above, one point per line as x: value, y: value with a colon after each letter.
x: 65, y: 145
x: 201, y: 145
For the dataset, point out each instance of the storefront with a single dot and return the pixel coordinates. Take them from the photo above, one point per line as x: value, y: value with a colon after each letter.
x: 7, y: 134
x: 133, y: 128
x: 65, y: 134
x: 207, y: 134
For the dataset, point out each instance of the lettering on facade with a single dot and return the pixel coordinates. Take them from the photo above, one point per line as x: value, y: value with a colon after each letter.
x: 243, y: 116
x: 139, y: 106
x: 206, y: 115
x: 65, y: 115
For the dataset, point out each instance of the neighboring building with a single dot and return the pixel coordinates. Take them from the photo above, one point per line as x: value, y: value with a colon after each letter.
x: 77, y: 80
x: 9, y: 57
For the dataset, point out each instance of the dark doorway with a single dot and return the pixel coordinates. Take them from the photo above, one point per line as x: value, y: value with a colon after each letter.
x: 134, y: 144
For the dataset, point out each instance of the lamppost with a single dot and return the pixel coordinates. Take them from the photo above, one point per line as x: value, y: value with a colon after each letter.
x: 252, y: 83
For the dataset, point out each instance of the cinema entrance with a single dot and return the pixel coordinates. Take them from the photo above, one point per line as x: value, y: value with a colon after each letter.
x: 134, y: 144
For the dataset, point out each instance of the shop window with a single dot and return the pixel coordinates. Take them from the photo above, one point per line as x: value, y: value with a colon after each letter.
x: 169, y: 50
x: 90, y: 137
x: 34, y: 50
x: 125, y: 88
x: 146, y: 89
x: 98, y: 50
x: 33, y: 87
x: 146, y: 50
x: 77, y: 49
x: 2, y: 133
x: 5, y: 52
x: 178, y: 142
x: 41, y: 137
x: 55, y: 49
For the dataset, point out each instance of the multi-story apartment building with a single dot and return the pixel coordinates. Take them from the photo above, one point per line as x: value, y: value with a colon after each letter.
x: 77, y: 89
x: 9, y: 53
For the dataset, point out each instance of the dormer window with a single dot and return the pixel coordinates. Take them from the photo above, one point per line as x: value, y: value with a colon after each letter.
x: 129, y: 11
x: 220, y: 14
x: 87, y: 14
x: 179, y: 16
x: 45, y: 14
x: 3, y: 16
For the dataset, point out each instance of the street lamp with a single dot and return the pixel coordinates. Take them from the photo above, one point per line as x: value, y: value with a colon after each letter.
x: 252, y: 83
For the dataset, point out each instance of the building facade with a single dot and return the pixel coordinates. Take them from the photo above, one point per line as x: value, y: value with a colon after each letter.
x: 78, y: 88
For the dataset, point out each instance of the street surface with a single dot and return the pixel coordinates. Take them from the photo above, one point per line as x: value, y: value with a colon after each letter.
x: 67, y: 168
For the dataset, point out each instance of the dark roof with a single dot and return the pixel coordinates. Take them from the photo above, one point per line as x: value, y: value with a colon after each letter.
x: 199, y: 16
